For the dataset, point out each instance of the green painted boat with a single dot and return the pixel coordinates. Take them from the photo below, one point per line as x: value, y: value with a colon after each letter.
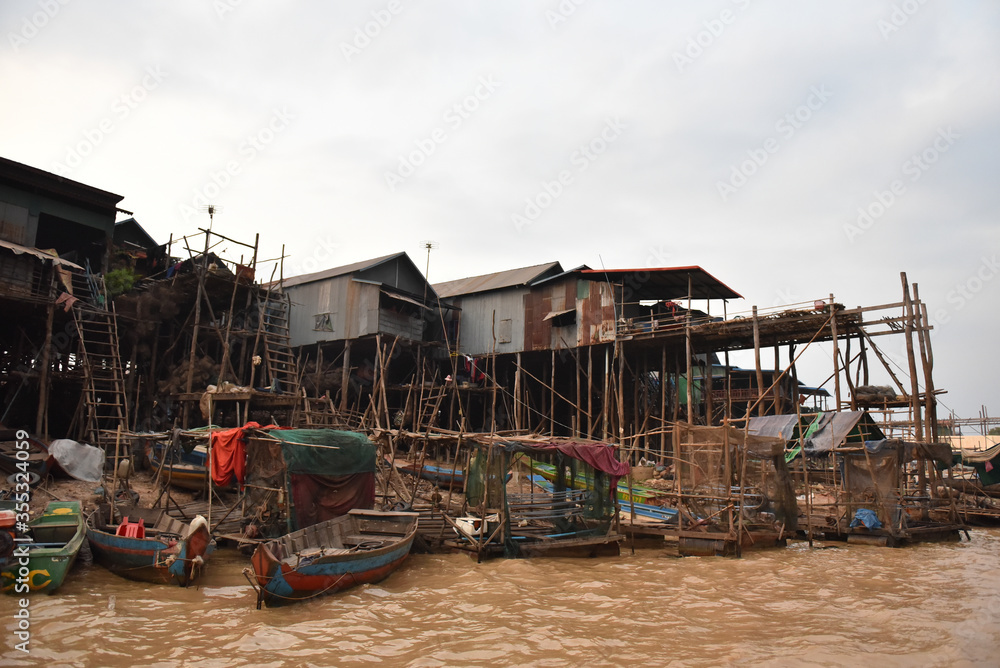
x: 57, y: 537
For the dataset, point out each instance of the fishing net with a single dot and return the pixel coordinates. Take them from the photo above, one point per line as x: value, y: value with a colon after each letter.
x: 709, y: 463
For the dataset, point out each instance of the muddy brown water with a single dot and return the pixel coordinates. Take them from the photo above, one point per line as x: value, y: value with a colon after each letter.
x: 931, y: 605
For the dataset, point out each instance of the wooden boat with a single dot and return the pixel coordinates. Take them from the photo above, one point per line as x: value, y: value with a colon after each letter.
x: 361, y: 547
x: 58, y: 535
x: 442, y: 476
x: 164, y: 551
x: 639, y: 494
x: 187, y: 472
x: 40, y: 462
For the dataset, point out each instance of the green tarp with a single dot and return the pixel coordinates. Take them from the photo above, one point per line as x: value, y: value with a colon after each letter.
x: 326, y: 451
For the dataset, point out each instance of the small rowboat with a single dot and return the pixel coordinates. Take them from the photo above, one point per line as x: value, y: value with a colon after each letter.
x: 361, y: 547
x: 167, y: 551
x: 57, y: 537
x: 441, y: 476
x: 186, y: 471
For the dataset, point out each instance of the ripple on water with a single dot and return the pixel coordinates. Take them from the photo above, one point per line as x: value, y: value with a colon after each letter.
x: 928, y: 605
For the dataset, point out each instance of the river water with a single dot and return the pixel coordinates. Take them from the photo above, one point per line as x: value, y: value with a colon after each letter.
x: 931, y: 605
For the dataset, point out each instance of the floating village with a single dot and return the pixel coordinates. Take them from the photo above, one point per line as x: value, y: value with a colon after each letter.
x: 164, y: 398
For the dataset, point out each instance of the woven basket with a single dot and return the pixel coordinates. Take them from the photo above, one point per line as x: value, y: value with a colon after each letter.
x: 642, y: 472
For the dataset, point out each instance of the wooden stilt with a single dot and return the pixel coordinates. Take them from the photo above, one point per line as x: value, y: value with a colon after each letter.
x: 756, y: 359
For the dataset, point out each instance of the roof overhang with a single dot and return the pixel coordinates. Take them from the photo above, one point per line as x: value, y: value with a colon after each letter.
x: 666, y: 282
x: 18, y: 249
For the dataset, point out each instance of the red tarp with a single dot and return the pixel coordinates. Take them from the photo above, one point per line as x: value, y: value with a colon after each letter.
x: 229, y: 454
x: 318, y: 498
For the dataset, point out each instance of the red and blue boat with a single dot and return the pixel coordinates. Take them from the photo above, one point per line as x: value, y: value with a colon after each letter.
x: 363, y: 546
x: 167, y: 551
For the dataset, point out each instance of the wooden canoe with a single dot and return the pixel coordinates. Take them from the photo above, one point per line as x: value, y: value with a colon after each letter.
x: 57, y: 537
x: 361, y: 547
x: 188, y: 471
x: 441, y: 476
x: 167, y: 551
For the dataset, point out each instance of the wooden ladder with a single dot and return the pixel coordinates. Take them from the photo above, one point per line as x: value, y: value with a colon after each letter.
x: 429, y: 407
x: 104, y: 400
x: 317, y: 412
x: 282, y: 370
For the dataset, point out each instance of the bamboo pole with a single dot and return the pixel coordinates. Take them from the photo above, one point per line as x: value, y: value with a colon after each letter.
x: 41, y: 416
x: 663, y: 403
x: 911, y: 359
x: 756, y: 359
x: 114, y: 477
x: 552, y: 395
x: 605, y: 397
x: 687, y: 355
x: 578, y: 426
x: 518, y: 391
x: 836, y: 353
x: 590, y: 392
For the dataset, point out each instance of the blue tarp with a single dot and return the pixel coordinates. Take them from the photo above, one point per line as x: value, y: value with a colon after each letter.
x: 866, y: 517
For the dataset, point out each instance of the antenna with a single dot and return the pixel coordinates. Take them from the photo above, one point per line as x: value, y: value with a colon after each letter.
x: 428, y: 244
x: 211, y: 209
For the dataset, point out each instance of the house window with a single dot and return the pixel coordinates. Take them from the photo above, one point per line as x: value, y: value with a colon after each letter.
x: 323, y: 322
x: 503, y: 331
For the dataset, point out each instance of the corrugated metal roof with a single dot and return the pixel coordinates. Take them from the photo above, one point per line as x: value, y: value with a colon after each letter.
x: 18, y: 249
x: 496, y: 281
x: 774, y: 425
x: 667, y: 282
x: 340, y: 271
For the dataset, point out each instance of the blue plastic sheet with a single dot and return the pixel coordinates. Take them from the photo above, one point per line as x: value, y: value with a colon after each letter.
x: 866, y: 517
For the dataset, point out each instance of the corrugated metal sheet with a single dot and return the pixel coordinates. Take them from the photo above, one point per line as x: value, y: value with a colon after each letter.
x: 774, y: 425
x: 334, y: 272
x: 477, y: 321
x: 666, y: 283
x: 18, y: 249
x: 496, y: 281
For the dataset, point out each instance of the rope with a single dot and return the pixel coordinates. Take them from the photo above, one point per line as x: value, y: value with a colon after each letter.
x: 259, y: 589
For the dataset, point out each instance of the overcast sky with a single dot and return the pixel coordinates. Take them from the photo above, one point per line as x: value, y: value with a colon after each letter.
x: 747, y: 137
